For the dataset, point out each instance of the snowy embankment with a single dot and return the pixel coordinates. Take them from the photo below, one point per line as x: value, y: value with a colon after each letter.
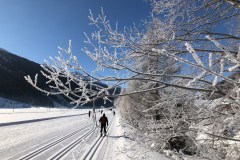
x: 118, y: 146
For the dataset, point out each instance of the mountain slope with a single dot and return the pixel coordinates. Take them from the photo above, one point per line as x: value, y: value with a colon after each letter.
x: 13, y: 85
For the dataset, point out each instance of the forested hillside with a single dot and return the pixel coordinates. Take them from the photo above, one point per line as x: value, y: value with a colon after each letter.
x: 13, y: 85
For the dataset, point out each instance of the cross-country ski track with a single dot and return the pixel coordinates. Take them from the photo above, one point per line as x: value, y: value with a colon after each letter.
x: 75, y: 137
x: 50, y: 146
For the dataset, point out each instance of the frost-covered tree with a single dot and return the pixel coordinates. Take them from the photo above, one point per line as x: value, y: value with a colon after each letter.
x: 207, y: 57
x: 204, y: 65
x: 176, y: 58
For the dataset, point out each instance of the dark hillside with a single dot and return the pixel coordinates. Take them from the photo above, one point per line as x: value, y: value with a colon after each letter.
x: 13, y: 85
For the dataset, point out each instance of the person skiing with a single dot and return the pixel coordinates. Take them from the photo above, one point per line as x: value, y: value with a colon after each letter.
x: 89, y: 113
x: 94, y: 117
x: 104, y: 121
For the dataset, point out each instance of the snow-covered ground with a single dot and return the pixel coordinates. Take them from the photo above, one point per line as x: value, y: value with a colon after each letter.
x: 28, y: 114
x: 118, y: 146
x: 13, y: 112
x: 115, y: 146
x: 31, y: 136
x: 22, y: 138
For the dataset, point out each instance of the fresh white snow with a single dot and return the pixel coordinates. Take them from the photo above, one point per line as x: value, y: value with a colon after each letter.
x: 118, y: 146
x: 24, y: 114
x: 115, y: 146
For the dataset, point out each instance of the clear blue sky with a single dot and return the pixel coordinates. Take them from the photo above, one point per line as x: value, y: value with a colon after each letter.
x: 33, y: 29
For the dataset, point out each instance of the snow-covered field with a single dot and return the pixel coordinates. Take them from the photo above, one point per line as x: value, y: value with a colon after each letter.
x: 118, y: 146
x: 47, y: 132
x: 25, y: 114
x: 13, y: 111
x: 24, y: 138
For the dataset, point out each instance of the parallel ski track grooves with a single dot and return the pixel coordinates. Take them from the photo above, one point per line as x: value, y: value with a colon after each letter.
x: 71, y: 146
x: 48, y: 146
x: 100, y: 139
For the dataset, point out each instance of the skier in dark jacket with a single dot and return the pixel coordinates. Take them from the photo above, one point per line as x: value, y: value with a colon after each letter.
x: 104, y: 121
x: 89, y: 113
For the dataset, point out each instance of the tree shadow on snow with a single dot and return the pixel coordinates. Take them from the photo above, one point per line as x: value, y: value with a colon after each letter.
x: 122, y: 136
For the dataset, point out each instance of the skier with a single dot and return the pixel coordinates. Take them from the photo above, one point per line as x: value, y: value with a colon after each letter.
x: 89, y: 113
x: 104, y: 121
x: 94, y: 117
